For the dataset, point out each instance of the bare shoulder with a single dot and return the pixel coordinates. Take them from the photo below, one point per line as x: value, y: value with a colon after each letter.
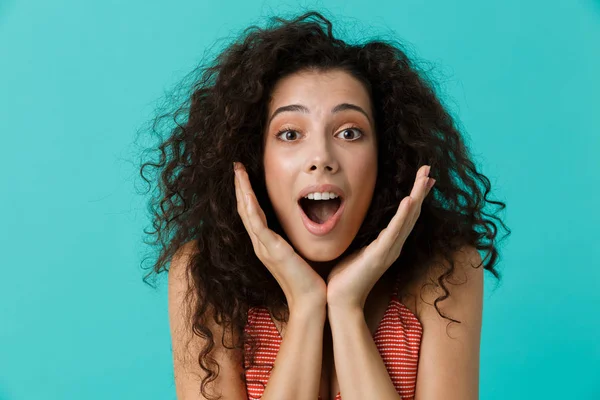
x: 466, y: 278
x: 187, y: 345
x: 447, y: 345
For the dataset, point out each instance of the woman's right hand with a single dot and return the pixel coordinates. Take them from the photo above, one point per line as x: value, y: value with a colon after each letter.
x: 299, y: 282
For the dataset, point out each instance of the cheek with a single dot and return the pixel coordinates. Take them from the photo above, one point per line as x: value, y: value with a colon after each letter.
x: 364, y: 170
x: 363, y: 177
x: 278, y: 179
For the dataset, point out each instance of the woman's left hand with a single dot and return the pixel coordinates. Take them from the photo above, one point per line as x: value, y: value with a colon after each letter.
x: 350, y: 282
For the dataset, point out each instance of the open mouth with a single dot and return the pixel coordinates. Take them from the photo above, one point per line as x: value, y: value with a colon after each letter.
x: 320, y: 211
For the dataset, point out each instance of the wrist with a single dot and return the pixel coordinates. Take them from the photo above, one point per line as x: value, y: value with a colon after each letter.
x: 344, y: 316
x: 308, y: 308
x: 345, y: 303
x: 344, y: 309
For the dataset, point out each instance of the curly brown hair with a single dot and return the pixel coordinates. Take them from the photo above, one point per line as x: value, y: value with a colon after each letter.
x: 222, y: 120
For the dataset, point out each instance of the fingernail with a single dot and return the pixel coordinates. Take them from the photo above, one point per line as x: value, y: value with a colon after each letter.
x: 431, y: 183
x: 428, y: 170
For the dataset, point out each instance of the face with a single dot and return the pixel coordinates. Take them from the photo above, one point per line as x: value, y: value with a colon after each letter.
x: 319, y: 139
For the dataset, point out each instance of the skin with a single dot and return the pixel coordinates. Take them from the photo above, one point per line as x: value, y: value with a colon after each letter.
x: 311, y: 277
x: 330, y: 325
x: 320, y: 146
x: 314, y: 149
x: 360, y: 369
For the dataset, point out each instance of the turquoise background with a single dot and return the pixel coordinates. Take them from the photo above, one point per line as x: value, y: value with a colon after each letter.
x: 79, y: 78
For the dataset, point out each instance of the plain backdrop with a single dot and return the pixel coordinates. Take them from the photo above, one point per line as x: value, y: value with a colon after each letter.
x: 79, y: 78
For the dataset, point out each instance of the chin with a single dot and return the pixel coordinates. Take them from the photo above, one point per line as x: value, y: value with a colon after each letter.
x: 321, y: 252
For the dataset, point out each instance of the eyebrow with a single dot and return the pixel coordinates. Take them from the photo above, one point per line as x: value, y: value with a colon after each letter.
x: 305, y: 110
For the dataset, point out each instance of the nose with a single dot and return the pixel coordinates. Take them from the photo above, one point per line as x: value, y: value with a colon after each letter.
x: 321, y: 157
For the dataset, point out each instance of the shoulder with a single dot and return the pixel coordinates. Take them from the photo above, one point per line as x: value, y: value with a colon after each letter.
x: 464, y: 284
x: 180, y: 283
x: 447, y: 345
x: 181, y: 295
x: 179, y: 271
x: 187, y: 345
x: 183, y: 255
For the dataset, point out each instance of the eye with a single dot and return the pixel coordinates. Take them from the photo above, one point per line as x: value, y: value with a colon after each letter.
x: 289, y: 135
x: 349, y: 137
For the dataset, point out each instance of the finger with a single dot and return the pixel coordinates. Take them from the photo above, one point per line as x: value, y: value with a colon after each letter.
x: 419, y: 190
x: 427, y: 185
x: 399, y: 228
x: 254, y: 214
x: 430, y: 186
x: 264, y: 235
x: 399, y: 222
x: 430, y: 182
x: 402, y: 223
x: 244, y: 180
x: 392, y: 238
x: 241, y: 208
x: 407, y: 205
x: 259, y: 248
x: 242, y: 200
x: 388, y: 236
x: 246, y: 188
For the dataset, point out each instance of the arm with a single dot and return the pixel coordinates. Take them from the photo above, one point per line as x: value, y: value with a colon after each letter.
x: 297, y: 370
x: 358, y: 364
x: 449, y: 356
x: 359, y: 367
x: 187, y: 346
x: 448, y: 359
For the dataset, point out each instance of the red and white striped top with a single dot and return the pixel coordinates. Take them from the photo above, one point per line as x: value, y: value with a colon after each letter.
x: 398, y: 339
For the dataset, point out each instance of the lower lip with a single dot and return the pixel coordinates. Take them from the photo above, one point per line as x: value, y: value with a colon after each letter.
x: 327, y: 226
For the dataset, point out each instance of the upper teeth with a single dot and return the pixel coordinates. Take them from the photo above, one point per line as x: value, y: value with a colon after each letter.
x: 321, y: 196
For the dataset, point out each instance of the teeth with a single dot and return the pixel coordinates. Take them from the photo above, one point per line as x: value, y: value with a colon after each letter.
x: 321, y: 196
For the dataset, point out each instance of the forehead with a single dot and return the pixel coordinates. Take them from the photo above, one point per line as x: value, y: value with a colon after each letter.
x: 319, y: 87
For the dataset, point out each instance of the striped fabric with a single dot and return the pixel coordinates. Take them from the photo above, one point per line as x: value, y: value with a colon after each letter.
x: 398, y: 339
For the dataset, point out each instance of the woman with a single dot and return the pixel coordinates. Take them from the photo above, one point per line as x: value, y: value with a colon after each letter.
x: 312, y: 252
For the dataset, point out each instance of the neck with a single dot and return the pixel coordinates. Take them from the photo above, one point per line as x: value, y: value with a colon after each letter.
x: 323, y: 268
